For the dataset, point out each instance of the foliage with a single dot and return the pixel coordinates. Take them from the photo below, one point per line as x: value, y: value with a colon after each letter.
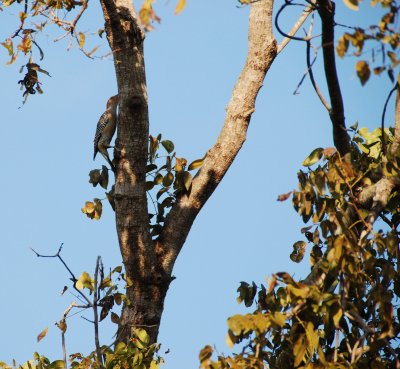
x: 385, y: 39
x: 136, y: 354
x: 346, y: 313
x: 166, y: 181
x: 103, y: 293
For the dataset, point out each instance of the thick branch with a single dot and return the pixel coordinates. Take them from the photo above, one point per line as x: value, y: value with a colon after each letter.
x: 396, y: 143
x: 262, y: 51
x: 326, y: 10
x: 149, y: 285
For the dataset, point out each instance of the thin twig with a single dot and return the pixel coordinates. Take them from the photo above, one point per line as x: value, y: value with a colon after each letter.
x: 81, y: 11
x: 96, y: 314
x: 73, y: 278
x: 311, y: 74
x: 297, y: 26
x: 383, y: 117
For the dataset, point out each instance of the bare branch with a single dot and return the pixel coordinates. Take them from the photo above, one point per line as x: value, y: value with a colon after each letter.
x: 262, y: 51
x: 310, y: 71
x: 79, y: 15
x: 306, y: 12
x: 96, y: 313
x: 73, y: 278
x: 64, y: 317
x: 326, y: 10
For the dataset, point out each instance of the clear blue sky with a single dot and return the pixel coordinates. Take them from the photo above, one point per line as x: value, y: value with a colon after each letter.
x: 242, y: 234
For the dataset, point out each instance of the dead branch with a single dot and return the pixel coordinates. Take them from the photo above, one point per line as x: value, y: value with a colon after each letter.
x: 306, y: 12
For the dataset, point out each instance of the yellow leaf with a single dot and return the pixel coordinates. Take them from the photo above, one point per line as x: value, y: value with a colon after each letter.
x: 81, y: 39
x: 90, y: 53
x: 229, y: 341
x: 85, y: 281
x: 352, y: 4
x: 180, y: 6
x: 42, y: 334
x: 363, y: 71
x: 196, y: 164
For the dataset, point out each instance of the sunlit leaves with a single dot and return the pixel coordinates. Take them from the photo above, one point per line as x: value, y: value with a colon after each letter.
x: 147, y: 15
x: 313, y: 158
x: 93, y: 210
x: 180, y: 6
x: 82, y: 39
x: 347, y: 303
x: 379, y: 36
x: 352, y: 4
x: 85, y: 281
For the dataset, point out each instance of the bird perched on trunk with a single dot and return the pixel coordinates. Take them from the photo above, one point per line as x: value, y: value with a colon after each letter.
x: 105, y: 130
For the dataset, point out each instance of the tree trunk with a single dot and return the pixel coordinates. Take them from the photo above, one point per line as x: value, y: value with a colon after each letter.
x: 149, y: 263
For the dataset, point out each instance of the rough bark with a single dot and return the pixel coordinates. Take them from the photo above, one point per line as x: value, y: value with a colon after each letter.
x: 262, y: 50
x: 148, y: 288
x: 149, y: 263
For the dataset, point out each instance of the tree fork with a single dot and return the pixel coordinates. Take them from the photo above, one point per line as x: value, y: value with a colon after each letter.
x: 149, y: 263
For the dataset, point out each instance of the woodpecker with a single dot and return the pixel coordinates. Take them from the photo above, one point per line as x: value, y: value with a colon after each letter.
x: 105, y: 130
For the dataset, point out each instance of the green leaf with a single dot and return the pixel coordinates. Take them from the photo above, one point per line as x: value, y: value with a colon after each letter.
x: 168, y: 179
x: 314, y: 157
x: 187, y: 180
x: 58, y: 364
x: 168, y: 145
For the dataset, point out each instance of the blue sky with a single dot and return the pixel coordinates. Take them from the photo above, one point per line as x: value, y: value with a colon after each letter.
x: 242, y: 234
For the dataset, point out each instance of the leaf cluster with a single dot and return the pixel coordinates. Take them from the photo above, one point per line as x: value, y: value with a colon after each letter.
x: 385, y: 38
x: 168, y: 177
x: 137, y: 353
x: 346, y: 313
